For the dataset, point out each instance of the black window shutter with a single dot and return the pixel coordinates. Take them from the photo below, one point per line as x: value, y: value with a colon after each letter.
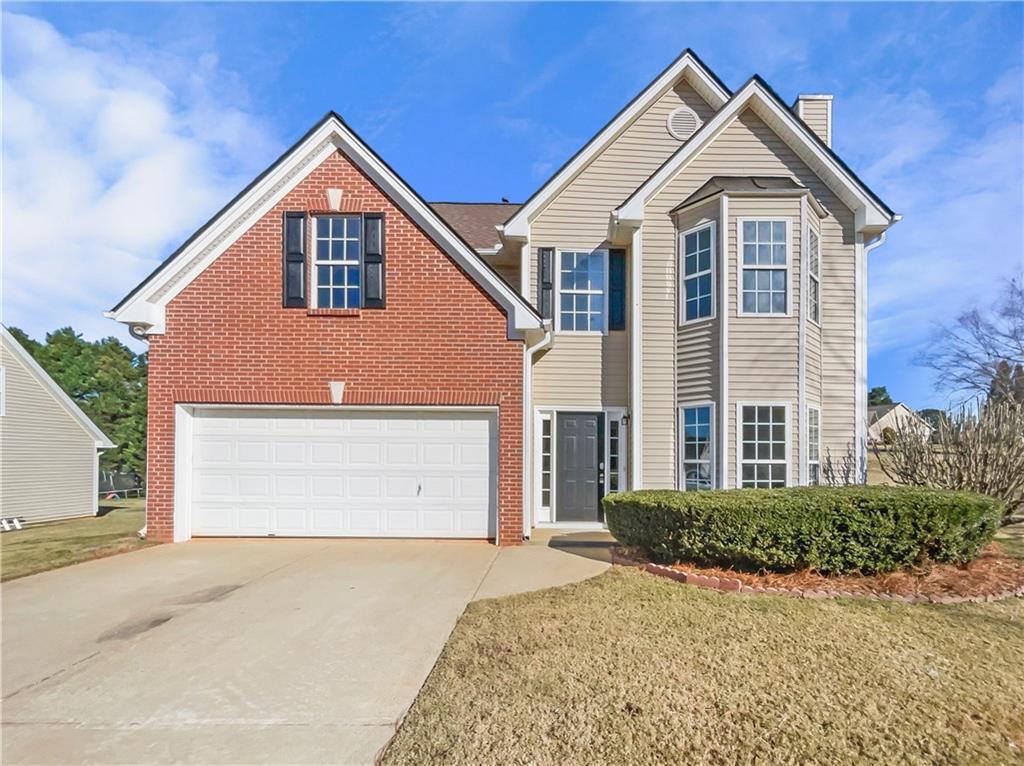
x: 545, y: 268
x: 373, y: 260
x: 617, y: 289
x: 293, y: 270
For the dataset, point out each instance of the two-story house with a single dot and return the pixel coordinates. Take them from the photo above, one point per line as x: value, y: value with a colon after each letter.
x: 681, y: 305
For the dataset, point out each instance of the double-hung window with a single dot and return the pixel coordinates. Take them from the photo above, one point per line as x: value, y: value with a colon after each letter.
x: 698, y: 449
x: 697, y: 253
x: 813, y: 445
x: 814, y: 277
x: 763, y: 448
x: 764, y: 268
x: 337, y: 265
x: 582, y: 283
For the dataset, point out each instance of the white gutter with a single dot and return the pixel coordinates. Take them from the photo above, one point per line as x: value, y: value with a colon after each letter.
x: 528, y: 352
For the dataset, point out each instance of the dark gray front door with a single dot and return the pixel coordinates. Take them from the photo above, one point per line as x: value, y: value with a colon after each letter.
x: 578, y: 458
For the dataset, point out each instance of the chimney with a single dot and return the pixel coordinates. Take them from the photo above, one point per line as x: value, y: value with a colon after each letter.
x: 816, y: 110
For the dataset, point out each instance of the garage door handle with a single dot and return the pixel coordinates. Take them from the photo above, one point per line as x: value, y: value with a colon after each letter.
x: 419, y: 488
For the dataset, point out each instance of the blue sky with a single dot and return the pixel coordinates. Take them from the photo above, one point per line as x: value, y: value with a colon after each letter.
x: 126, y: 126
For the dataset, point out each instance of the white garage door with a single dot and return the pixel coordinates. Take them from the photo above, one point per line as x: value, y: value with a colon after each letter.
x: 336, y: 473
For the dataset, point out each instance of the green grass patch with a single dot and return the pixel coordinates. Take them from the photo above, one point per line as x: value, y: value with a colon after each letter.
x: 60, y: 543
x: 1011, y: 538
x: 630, y: 668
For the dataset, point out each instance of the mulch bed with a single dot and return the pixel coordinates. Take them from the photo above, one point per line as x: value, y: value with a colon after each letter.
x: 992, y: 575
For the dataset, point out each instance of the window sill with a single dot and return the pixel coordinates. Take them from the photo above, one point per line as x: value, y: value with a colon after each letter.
x: 333, y: 312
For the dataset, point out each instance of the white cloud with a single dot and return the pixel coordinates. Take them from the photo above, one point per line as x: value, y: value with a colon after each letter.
x: 958, y: 184
x: 113, y: 153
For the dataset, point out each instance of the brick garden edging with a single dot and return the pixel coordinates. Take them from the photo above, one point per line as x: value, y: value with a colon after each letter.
x: 731, y: 584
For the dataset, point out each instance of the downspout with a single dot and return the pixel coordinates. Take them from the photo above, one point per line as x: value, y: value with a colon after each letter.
x: 862, y: 351
x: 723, y: 338
x: 528, y: 354
x: 801, y: 372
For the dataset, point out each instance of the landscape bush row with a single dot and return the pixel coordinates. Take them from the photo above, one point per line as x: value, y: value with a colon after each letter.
x: 827, y: 529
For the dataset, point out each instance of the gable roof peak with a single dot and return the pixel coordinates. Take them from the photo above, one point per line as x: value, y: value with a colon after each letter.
x: 686, y: 65
x: 145, y: 305
x: 873, y: 215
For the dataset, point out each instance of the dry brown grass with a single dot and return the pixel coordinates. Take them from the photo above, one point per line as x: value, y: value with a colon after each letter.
x: 628, y: 668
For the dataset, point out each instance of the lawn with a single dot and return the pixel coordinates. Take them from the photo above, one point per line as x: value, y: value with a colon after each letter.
x: 1012, y: 539
x: 48, y: 546
x: 630, y: 668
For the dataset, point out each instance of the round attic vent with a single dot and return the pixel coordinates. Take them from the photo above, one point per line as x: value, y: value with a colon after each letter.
x: 682, y: 122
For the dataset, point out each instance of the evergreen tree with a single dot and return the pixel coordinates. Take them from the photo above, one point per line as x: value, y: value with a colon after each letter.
x: 108, y: 381
x: 879, y: 395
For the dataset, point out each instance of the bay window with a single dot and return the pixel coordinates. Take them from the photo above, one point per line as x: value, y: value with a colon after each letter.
x: 764, y: 270
x: 813, y: 446
x: 696, y: 428
x: 697, y: 257
x: 814, y: 277
x: 763, y: 445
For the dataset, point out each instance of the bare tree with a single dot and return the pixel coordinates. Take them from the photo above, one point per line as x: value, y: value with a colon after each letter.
x: 981, y: 450
x: 967, y: 353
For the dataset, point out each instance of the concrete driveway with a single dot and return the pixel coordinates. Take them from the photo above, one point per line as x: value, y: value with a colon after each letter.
x: 242, y: 651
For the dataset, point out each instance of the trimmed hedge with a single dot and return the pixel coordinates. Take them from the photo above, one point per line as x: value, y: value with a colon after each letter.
x: 828, y: 529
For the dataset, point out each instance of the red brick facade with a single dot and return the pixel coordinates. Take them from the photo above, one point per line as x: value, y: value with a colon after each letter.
x: 441, y: 340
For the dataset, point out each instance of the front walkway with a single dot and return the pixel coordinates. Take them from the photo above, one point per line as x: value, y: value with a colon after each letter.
x: 243, y: 651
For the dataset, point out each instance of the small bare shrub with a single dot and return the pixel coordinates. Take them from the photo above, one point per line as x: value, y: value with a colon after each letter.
x: 981, y: 450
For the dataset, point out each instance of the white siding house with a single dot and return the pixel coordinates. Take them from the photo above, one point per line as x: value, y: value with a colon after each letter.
x: 49, y: 449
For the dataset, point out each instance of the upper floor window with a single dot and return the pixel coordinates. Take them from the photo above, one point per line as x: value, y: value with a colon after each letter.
x: 697, y: 430
x: 763, y: 445
x: 337, y: 261
x: 764, y: 271
x: 814, y: 276
x: 582, y: 282
x: 698, y: 261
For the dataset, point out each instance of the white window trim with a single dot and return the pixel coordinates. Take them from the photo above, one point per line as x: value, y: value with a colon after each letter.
x: 713, y: 460
x: 807, y: 452
x: 739, y: 438
x: 790, y: 266
x: 812, y: 276
x: 312, y: 240
x: 681, y: 260
x: 556, y: 307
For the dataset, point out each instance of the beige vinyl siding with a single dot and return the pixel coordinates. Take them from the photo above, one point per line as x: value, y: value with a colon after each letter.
x: 815, y: 113
x: 697, y: 343
x: 48, y: 460
x: 583, y: 371
x: 747, y: 147
x: 587, y: 370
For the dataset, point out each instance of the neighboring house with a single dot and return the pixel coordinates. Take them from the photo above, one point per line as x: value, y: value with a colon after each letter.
x: 681, y: 305
x: 895, y: 416
x: 49, y: 449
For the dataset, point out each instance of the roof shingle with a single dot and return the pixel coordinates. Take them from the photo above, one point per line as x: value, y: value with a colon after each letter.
x: 475, y: 221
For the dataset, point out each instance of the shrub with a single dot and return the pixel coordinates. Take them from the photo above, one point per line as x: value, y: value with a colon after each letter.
x: 828, y: 529
x: 979, y: 450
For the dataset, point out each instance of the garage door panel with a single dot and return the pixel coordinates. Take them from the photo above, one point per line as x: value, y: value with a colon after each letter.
x: 395, y: 473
